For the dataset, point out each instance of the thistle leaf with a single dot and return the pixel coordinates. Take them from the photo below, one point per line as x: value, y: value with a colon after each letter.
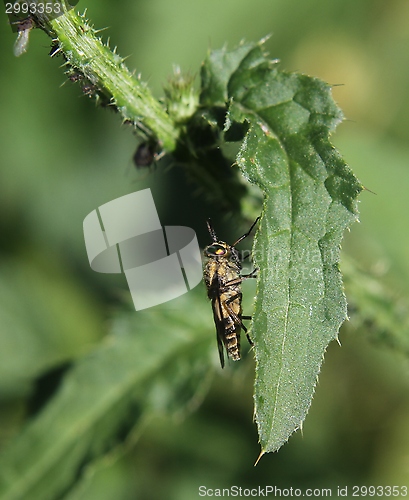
x: 309, y: 200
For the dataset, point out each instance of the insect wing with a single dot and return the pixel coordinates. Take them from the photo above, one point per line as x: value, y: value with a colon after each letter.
x: 220, y: 328
x: 227, y: 320
x: 21, y: 43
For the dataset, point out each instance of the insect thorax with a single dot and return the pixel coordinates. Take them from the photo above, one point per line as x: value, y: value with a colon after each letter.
x: 219, y: 272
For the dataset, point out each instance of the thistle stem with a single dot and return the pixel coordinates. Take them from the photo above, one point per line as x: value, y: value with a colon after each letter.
x: 106, y: 70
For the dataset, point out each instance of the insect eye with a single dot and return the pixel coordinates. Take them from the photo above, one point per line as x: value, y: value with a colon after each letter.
x: 215, y: 250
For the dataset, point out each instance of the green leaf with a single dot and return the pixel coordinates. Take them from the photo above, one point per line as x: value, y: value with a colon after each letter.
x: 309, y: 200
x: 45, y: 320
x: 215, y: 74
x: 155, y: 359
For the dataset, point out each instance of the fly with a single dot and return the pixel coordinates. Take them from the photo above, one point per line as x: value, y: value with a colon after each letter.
x: 222, y: 275
x: 24, y: 27
x: 147, y: 154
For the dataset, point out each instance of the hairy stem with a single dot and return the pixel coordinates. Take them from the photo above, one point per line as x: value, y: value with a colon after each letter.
x: 85, y: 52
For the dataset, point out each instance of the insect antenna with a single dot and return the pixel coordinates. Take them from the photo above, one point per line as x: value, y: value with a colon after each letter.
x: 211, y: 230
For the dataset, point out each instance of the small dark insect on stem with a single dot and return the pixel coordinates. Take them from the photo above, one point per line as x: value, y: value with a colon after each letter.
x: 147, y: 154
x: 144, y: 155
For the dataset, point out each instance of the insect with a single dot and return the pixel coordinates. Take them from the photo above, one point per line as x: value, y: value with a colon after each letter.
x: 147, y: 153
x: 88, y: 89
x: 223, y: 281
x: 24, y: 26
x: 144, y: 155
x: 75, y: 76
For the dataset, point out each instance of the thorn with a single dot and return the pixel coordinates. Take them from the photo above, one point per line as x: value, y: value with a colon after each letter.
x: 265, y: 39
x: 101, y: 29
x: 54, y: 51
x: 366, y: 189
x: 339, y: 342
x: 302, y: 429
x: 258, y: 459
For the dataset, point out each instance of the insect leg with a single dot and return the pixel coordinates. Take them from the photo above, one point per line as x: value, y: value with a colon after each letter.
x: 251, y: 275
x: 237, y: 320
x: 239, y: 280
x: 246, y: 234
x: 247, y: 335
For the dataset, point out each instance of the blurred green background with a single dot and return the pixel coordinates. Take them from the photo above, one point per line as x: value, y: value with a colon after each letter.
x: 61, y: 157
